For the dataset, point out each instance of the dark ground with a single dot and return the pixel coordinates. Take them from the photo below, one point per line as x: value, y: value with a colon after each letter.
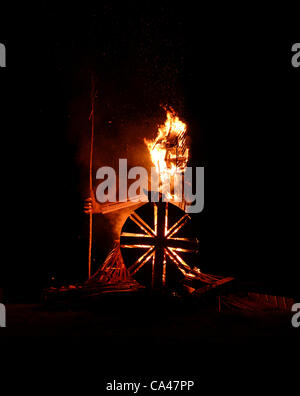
x: 221, y: 352
x: 153, y: 327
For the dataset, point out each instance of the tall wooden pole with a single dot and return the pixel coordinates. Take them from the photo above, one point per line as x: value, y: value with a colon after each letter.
x: 92, y: 118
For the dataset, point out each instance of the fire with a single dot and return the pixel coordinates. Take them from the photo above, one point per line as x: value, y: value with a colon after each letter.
x: 169, y: 152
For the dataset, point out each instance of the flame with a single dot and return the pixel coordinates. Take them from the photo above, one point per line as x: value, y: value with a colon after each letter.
x: 168, y: 151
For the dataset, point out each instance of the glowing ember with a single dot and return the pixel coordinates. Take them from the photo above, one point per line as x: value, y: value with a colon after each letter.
x: 169, y: 152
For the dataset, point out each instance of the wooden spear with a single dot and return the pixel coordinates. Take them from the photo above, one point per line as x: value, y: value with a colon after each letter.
x: 92, y: 118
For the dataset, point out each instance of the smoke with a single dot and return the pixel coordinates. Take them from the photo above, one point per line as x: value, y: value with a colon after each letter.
x: 128, y: 109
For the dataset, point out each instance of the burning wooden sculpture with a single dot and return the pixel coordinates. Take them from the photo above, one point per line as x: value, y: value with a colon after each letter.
x: 160, y: 233
x: 157, y: 241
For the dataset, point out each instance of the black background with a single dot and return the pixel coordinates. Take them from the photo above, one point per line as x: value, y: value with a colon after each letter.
x: 228, y: 73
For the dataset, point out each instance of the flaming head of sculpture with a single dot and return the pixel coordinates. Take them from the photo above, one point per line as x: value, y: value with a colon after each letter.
x: 169, y: 152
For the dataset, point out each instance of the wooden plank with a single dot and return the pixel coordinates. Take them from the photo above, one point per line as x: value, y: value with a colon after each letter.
x: 214, y: 285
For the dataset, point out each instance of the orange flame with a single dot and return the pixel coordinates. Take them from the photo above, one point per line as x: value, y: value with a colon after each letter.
x: 168, y: 151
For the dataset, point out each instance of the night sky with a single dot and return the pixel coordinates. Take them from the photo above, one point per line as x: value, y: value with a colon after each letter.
x: 232, y: 83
